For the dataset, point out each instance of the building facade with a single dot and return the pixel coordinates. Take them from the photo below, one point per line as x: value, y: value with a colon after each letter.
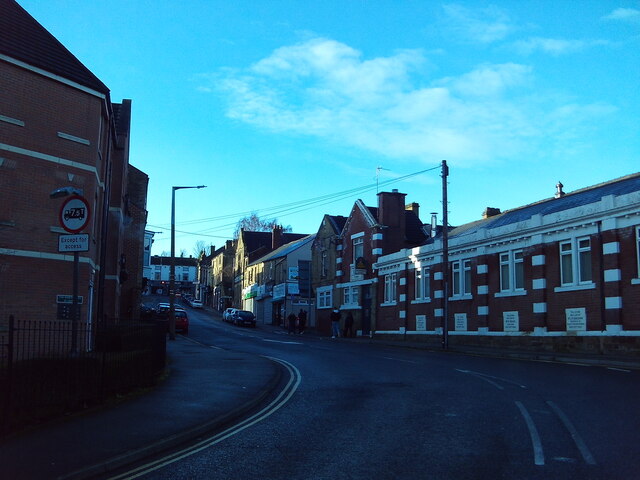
x: 280, y: 283
x: 60, y: 132
x: 562, y: 273
x: 367, y: 234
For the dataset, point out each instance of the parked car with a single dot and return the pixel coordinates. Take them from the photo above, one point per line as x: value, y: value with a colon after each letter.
x: 227, y: 315
x: 244, y: 317
x: 182, y: 321
x: 195, y: 304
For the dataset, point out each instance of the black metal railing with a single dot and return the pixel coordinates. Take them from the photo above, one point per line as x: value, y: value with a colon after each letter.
x: 44, y: 373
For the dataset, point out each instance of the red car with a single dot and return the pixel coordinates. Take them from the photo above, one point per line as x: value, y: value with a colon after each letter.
x: 182, y: 321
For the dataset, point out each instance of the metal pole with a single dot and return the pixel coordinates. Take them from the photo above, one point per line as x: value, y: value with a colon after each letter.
x: 445, y: 257
x: 75, y: 317
x: 172, y: 269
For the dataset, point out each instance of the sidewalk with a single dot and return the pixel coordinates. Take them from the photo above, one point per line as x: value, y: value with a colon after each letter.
x: 203, y: 391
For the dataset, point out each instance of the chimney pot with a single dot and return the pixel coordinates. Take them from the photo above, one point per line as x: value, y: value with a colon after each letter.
x: 490, y: 212
x: 559, y: 192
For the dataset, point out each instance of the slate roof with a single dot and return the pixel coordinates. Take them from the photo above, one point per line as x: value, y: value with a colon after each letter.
x: 585, y: 196
x: 23, y: 38
x: 259, y: 243
x: 285, y: 250
x: 337, y: 222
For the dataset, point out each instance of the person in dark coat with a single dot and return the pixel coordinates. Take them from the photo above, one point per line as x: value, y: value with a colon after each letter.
x: 291, y: 320
x: 335, y: 323
x: 302, y: 321
x: 348, y: 325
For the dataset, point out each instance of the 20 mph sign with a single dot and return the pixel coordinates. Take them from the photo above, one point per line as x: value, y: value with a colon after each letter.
x: 74, y: 214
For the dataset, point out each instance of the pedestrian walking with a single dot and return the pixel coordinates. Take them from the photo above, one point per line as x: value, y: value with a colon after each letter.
x: 348, y: 326
x: 291, y: 321
x: 335, y: 323
x: 302, y: 321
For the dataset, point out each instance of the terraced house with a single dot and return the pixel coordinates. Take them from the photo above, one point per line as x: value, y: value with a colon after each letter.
x: 562, y: 273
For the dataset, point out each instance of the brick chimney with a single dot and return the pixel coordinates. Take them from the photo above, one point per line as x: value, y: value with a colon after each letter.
x: 413, y: 207
x: 490, y: 212
x: 276, y: 237
x: 392, y: 219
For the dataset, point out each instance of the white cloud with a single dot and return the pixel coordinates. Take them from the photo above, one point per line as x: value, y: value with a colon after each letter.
x: 554, y: 46
x: 624, y: 14
x: 389, y: 106
x: 484, y: 25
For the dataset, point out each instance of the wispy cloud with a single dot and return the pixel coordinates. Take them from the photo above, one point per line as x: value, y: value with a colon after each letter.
x: 624, y: 14
x: 389, y: 106
x: 484, y: 25
x: 554, y: 46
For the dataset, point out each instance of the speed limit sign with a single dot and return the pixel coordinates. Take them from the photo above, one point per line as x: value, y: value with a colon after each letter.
x: 74, y: 214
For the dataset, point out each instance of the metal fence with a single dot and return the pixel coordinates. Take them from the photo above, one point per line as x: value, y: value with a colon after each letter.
x: 44, y: 373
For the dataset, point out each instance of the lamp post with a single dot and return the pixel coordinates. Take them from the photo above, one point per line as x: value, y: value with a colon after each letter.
x: 172, y: 269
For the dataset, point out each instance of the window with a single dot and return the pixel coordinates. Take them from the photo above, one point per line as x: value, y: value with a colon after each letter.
x: 358, y: 248
x: 423, y: 283
x: 511, y: 271
x: 324, y: 299
x: 575, y: 262
x: 351, y: 296
x: 461, y: 277
x: 156, y: 277
x: 390, y: 288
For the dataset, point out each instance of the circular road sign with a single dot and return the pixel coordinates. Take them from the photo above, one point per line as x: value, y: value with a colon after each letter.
x: 74, y: 214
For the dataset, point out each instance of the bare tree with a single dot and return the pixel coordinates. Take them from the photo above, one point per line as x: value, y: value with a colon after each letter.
x: 199, y: 247
x: 253, y: 223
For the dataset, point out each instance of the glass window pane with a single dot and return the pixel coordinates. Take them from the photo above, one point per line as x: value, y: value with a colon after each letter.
x: 567, y: 269
x: 504, y: 277
x: 585, y: 266
x: 519, y: 275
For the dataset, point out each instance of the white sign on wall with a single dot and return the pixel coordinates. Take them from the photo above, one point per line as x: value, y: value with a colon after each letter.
x: 511, y: 321
x: 460, y: 320
x: 576, y: 319
x: 421, y: 323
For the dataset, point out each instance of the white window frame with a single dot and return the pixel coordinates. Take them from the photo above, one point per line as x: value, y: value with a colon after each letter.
x: 423, y: 284
x: 324, y: 298
x: 357, y: 244
x: 351, y: 296
x: 573, y: 251
x: 390, y: 289
x: 461, y: 278
x: 511, y: 263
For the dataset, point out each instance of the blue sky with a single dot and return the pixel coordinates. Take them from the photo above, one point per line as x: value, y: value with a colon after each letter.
x: 272, y: 103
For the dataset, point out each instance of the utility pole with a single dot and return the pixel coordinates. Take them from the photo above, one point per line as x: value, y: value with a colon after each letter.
x: 445, y: 257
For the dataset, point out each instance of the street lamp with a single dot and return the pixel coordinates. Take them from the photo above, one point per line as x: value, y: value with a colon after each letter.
x: 172, y: 270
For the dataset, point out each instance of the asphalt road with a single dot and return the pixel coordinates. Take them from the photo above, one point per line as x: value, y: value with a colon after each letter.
x: 369, y: 411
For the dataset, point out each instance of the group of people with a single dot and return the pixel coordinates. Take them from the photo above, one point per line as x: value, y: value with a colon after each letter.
x: 335, y: 324
x: 297, y: 323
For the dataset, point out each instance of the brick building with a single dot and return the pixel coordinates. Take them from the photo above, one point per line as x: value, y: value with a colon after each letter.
x: 562, y: 273
x: 367, y: 234
x: 59, y: 129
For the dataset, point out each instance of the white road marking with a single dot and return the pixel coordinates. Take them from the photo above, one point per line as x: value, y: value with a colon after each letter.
x: 280, y: 341
x: 283, y: 397
x: 584, y: 451
x: 491, y: 376
x: 399, y: 360
x: 619, y: 369
x: 538, y: 454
